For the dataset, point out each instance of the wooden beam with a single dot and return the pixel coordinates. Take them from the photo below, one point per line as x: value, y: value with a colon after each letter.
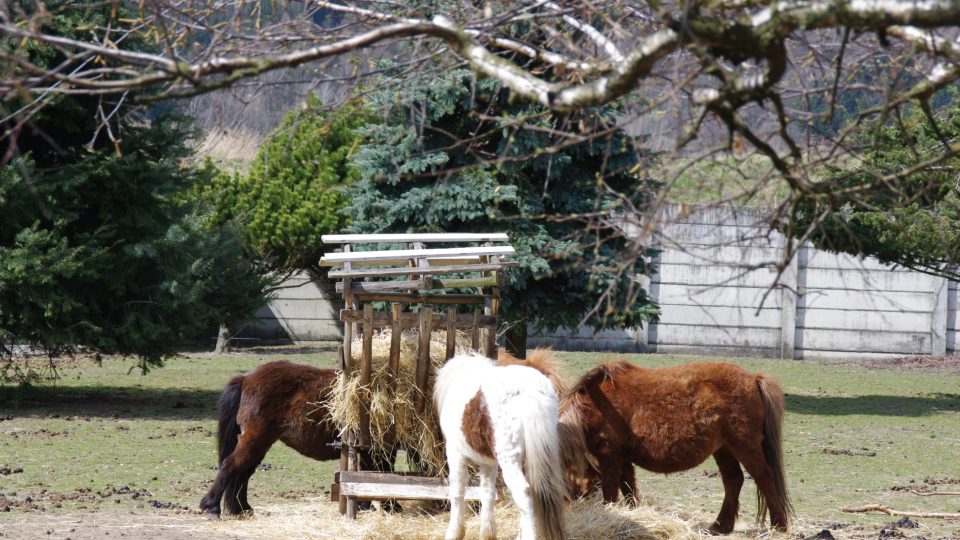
x: 415, y: 237
x: 411, y: 320
x: 423, y: 489
x: 415, y: 298
x: 332, y: 259
x: 418, y: 284
x: 366, y: 360
x: 451, y: 332
x: 381, y: 492
x: 423, y: 356
x: 406, y: 271
x: 396, y: 328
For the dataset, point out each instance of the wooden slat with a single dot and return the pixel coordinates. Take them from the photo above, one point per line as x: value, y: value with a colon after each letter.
x: 331, y: 259
x: 414, y: 298
x: 414, y: 237
x: 427, y: 283
x: 423, y: 355
x: 432, y: 260
x: 451, y: 332
x: 432, y: 270
x: 475, y: 336
x: 388, y: 481
x: 411, y: 320
x: 396, y: 327
x: 366, y: 360
x: 369, y: 491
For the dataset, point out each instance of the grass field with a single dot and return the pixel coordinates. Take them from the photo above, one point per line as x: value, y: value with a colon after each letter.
x: 103, y: 444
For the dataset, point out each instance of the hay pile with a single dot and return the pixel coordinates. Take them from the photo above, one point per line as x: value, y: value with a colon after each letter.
x: 393, y: 414
x: 589, y: 519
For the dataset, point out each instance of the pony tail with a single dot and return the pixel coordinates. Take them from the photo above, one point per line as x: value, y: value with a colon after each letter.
x: 228, y: 430
x: 578, y: 464
x: 543, y: 472
x: 773, y: 400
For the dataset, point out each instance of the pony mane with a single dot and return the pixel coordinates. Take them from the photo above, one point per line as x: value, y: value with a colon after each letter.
x: 543, y: 360
x: 599, y: 374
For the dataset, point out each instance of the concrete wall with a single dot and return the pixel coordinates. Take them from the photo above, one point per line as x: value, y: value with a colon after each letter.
x: 714, y: 284
x: 298, y: 312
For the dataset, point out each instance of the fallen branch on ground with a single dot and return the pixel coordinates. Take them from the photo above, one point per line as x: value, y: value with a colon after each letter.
x: 930, y: 493
x: 889, y: 511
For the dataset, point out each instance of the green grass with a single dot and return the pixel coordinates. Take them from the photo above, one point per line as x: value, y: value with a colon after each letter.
x: 851, y: 434
x: 750, y: 181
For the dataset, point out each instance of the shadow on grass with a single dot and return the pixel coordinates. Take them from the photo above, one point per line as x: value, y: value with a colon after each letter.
x: 110, y: 402
x: 910, y: 406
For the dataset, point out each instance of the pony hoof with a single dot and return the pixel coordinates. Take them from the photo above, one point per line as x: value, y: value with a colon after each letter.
x: 717, y: 529
x: 211, y: 515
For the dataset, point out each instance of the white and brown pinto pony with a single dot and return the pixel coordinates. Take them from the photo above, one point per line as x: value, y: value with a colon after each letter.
x: 502, y: 415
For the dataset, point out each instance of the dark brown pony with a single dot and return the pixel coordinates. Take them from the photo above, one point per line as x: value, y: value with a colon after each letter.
x: 275, y: 401
x: 673, y: 418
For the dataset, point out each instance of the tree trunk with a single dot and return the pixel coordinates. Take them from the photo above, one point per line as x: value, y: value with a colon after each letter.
x: 223, y: 340
x: 515, y: 340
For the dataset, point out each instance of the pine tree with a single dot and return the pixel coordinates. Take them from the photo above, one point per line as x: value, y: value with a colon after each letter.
x: 101, y: 247
x: 449, y: 154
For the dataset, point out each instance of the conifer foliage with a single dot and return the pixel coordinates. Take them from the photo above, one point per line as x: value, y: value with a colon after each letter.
x: 453, y: 153
x: 101, y: 246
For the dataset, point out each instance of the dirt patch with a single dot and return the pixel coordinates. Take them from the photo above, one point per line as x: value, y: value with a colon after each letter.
x: 913, y: 362
x: 863, y: 452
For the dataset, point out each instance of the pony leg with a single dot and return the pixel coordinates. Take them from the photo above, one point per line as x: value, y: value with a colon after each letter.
x: 236, y: 469
x: 628, y: 483
x: 515, y: 480
x: 488, y: 490
x: 756, y: 464
x: 610, y: 478
x: 458, y: 484
x: 732, y: 482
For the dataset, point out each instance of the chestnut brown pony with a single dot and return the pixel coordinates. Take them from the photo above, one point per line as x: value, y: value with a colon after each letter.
x: 275, y: 401
x: 673, y: 418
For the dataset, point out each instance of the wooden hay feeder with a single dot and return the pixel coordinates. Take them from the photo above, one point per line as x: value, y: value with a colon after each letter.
x: 408, y: 275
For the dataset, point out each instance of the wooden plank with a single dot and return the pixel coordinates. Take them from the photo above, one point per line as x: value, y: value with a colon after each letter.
x: 396, y: 327
x: 331, y: 259
x: 423, y: 355
x: 415, y: 284
x: 416, y: 298
x: 413, y: 237
x: 475, y: 330
x: 406, y: 271
x: 451, y: 332
x: 366, y: 360
x: 399, y: 262
x: 411, y: 320
x: 368, y: 491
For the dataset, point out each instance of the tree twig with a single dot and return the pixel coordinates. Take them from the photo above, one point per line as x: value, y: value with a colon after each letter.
x: 891, y: 512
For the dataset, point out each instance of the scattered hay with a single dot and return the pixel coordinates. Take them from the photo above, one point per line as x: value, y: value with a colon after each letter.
x: 586, y: 519
x: 393, y: 403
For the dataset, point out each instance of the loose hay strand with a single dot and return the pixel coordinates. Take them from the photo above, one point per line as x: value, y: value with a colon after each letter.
x: 586, y: 519
x: 392, y: 403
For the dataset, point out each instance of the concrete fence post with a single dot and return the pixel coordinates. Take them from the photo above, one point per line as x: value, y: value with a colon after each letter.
x: 788, y: 305
x: 938, y: 322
